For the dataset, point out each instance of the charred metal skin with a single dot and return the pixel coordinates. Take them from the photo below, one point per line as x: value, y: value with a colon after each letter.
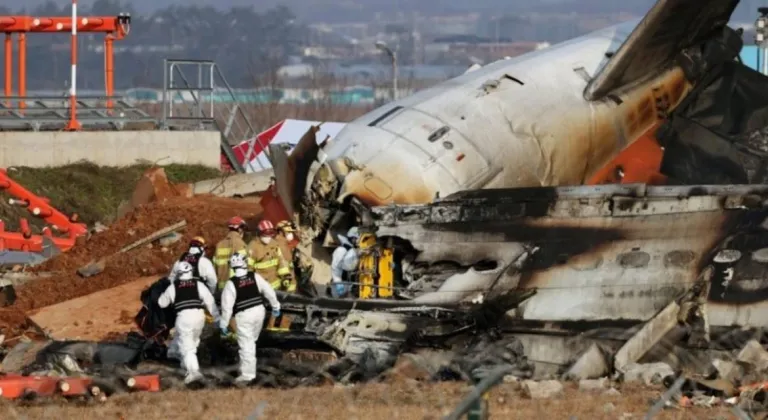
x: 552, y: 117
x: 596, y: 253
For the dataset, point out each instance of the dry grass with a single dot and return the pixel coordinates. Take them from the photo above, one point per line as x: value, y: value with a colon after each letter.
x: 411, y: 400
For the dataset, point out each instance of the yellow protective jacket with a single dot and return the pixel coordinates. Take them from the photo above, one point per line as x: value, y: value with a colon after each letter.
x: 268, y: 261
x: 224, y: 249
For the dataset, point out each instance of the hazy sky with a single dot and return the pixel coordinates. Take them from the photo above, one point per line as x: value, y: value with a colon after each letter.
x: 745, y: 11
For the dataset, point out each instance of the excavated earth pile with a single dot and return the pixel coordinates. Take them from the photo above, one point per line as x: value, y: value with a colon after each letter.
x: 205, y: 216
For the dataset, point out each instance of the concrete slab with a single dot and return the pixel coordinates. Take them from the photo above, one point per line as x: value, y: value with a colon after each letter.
x: 95, y: 316
x: 232, y: 185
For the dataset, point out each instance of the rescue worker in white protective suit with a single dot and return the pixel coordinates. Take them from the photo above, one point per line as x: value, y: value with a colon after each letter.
x: 202, y: 270
x: 344, y: 263
x: 243, y: 296
x: 189, y: 297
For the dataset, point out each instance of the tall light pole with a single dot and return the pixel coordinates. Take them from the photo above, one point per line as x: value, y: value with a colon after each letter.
x: 761, y: 40
x: 392, y: 56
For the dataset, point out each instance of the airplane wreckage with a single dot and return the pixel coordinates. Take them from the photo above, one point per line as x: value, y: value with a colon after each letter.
x: 590, y: 184
x: 602, y: 184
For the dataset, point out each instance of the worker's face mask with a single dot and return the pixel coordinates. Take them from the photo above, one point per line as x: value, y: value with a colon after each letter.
x: 195, y: 250
x: 265, y: 239
x: 289, y: 236
x: 240, y: 272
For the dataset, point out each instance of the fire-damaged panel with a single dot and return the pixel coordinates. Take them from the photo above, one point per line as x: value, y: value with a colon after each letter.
x: 719, y: 134
x: 586, y: 264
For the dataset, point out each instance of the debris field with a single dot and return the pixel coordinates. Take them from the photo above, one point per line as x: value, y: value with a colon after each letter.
x: 101, y: 307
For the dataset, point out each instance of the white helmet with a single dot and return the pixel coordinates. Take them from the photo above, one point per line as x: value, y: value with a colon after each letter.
x: 237, y: 260
x: 185, y: 270
x: 353, y: 233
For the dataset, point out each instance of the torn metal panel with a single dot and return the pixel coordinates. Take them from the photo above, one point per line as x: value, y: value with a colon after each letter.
x: 291, y: 171
x: 718, y: 135
x: 650, y: 334
x: 670, y: 27
x: 590, y: 264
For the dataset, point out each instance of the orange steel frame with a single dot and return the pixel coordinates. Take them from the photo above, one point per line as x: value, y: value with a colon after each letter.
x: 116, y: 28
x: 41, y: 208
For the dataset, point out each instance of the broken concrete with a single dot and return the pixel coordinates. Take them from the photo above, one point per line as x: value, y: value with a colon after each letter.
x: 729, y: 371
x: 650, y: 373
x: 594, y: 384
x: 542, y: 390
x: 235, y: 185
x: 755, y: 355
x: 591, y: 364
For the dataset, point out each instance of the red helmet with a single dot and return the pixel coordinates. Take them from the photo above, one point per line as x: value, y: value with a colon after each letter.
x: 267, y: 228
x: 236, y: 222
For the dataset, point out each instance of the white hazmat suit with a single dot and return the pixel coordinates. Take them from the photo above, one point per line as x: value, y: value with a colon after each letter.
x: 345, y: 258
x: 190, y: 316
x: 207, y: 274
x: 250, y: 321
x: 204, y: 267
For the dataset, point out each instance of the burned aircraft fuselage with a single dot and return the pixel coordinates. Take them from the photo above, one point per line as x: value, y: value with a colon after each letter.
x: 594, y: 253
x: 547, y: 118
x: 553, y: 117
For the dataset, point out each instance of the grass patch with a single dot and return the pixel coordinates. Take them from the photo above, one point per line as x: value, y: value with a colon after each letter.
x: 94, y: 192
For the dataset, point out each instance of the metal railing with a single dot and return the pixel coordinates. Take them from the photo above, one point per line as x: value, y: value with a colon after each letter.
x: 204, y: 111
x: 52, y: 113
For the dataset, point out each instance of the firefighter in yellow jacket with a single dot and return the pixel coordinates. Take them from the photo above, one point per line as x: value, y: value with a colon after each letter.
x: 298, y: 262
x: 232, y: 243
x: 266, y: 258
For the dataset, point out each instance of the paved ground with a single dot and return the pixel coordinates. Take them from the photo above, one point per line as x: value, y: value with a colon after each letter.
x: 409, y: 400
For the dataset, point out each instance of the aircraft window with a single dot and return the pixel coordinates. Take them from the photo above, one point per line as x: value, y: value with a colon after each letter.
x: 679, y: 259
x: 634, y: 259
x: 385, y: 116
x: 437, y: 134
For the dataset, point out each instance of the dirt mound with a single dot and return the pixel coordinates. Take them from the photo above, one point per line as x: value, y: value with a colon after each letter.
x: 205, y: 215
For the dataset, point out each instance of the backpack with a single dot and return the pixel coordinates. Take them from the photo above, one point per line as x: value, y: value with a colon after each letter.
x: 153, y: 321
